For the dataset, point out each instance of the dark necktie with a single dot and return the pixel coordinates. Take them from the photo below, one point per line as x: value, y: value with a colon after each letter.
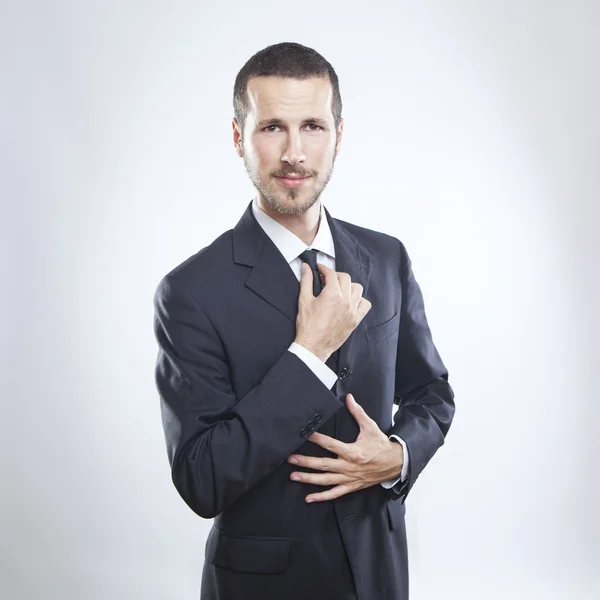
x: 310, y: 257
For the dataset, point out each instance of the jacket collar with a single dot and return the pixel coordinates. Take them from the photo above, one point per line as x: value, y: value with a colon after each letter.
x: 289, y: 244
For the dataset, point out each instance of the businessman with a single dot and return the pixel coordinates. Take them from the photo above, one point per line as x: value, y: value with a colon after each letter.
x: 283, y: 346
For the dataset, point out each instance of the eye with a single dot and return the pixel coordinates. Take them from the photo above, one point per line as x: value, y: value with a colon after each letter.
x: 268, y: 129
x: 317, y: 127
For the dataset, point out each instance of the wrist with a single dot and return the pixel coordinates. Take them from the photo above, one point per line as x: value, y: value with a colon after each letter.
x: 396, y: 458
x: 318, y: 352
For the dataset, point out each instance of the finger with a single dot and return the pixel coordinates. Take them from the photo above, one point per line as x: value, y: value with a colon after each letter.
x: 364, y: 306
x: 356, y: 295
x: 358, y: 412
x: 336, y: 446
x: 320, y: 478
x: 336, y: 492
x: 321, y: 463
x: 345, y: 284
x: 306, y: 283
x: 329, y: 275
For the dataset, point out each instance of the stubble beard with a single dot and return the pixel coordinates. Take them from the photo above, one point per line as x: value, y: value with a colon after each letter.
x: 275, y: 202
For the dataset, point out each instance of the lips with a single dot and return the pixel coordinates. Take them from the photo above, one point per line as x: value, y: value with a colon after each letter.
x: 293, y: 181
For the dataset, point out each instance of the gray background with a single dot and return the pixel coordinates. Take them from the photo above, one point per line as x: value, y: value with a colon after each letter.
x: 472, y: 134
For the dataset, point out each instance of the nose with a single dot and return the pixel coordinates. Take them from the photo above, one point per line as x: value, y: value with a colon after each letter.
x: 293, y: 153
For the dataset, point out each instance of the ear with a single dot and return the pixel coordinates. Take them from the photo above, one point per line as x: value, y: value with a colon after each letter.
x: 237, y: 137
x: 340, y: 131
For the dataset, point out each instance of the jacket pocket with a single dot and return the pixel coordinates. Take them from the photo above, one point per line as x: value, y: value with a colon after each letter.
x: 383, y: 331
x: 247, y: 554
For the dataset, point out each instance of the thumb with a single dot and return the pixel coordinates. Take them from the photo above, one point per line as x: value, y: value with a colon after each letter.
x: 357, y: 411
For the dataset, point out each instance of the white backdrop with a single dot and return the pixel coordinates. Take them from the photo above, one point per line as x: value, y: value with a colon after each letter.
x: 471, y: 133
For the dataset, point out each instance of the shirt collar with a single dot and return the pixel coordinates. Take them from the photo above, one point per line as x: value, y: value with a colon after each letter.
x: 288, y: 243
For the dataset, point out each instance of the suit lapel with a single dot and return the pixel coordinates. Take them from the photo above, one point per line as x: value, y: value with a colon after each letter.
x: 272, y: 278
x: 351, y: 258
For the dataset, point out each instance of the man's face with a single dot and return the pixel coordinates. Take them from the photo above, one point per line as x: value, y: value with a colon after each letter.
x: 289, y: 143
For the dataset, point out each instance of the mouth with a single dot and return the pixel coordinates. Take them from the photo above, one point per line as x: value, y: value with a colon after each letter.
x: 293, y: 181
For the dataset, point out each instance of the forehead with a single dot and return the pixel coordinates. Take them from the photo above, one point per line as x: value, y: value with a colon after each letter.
x: 283, y: 97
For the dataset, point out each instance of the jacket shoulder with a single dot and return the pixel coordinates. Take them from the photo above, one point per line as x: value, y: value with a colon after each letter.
x: 376, y: 242
x: 201, y: 266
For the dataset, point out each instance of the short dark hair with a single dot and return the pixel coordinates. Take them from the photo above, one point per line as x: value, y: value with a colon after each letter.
x: 286, y: 59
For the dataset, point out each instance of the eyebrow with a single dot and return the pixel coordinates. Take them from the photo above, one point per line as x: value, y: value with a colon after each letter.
x: 276, y: 121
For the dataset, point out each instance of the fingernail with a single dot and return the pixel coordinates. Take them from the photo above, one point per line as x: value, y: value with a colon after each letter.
x: 294, y: 461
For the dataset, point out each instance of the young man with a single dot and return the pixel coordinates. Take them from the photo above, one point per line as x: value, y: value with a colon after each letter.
x: 282, y: 348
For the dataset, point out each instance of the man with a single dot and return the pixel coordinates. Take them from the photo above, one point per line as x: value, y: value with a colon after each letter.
x: 282, y: 348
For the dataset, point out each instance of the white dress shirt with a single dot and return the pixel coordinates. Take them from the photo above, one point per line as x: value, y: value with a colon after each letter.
x: 291, y: 246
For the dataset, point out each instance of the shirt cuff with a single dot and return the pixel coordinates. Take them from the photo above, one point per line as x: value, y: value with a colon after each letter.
x: 390, y: 483
x: 315, y: 364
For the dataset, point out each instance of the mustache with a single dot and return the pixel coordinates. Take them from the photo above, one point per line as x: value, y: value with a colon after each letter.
x: 293, y: 173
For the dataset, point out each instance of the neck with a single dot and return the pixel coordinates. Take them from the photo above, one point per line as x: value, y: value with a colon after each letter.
x: 304, y: 226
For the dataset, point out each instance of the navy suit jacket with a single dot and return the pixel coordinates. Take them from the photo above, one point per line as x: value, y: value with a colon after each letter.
x: 236, y: 403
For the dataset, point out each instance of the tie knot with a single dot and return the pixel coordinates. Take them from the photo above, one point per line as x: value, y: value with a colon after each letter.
x: 310, y: 257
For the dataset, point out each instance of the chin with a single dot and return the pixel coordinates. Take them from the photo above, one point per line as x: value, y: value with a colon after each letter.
x: 286, y: 205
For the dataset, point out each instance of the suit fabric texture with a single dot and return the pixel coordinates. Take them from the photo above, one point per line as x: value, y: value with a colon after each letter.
x: 235, y: 403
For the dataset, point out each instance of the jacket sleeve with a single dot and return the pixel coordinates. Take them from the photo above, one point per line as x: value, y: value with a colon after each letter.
x: 424, y: 397
x: 219, y: 446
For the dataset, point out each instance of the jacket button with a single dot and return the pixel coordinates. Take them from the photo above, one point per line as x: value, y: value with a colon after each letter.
x: 318, y: 418
x: 311, y: 426
x: 303, y: 433
x: 344, y: 373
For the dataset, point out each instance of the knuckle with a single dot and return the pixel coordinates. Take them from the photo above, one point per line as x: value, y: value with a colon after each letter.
x: 361, y: 457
